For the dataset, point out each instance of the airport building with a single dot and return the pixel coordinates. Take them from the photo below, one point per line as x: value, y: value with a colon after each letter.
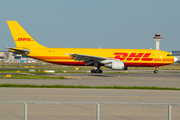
x: 7, y: 56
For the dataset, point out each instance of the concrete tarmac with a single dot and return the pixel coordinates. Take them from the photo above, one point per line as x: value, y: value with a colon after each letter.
x: 88, y: 112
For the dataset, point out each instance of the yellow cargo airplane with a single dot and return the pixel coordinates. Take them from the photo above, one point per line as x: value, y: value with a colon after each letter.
x: 116, y: 59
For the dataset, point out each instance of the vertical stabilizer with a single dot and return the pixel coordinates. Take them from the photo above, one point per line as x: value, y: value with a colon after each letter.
x: 21, y: 37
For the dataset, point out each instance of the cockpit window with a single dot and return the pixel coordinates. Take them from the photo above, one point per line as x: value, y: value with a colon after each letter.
x: 169, y: 55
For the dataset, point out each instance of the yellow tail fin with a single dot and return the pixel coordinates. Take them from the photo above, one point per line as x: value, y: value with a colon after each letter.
x: 21, y: 37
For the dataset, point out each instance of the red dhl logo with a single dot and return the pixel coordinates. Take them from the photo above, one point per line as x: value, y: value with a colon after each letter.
x: 133, y: 56
x: 24, y: 39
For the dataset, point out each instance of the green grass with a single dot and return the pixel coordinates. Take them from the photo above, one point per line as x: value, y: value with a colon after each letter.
x: 31, y: 77
x: 87, y: 87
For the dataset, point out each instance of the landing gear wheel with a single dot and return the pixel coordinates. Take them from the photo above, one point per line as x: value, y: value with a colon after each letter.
x: 93, y: 71
x: 96, y: 71
x: 156, y: 71
x: 100, y: 71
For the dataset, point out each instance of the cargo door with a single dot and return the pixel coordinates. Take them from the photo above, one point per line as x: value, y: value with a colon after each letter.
x: 158, y: 57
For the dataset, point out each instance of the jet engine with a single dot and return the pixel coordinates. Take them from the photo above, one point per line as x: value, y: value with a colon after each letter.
x: 116, y: 65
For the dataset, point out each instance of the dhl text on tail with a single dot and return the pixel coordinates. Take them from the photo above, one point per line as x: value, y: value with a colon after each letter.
x: 116, y: 59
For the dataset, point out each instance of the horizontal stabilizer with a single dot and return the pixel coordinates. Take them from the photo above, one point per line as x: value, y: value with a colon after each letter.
x: 19, y: 50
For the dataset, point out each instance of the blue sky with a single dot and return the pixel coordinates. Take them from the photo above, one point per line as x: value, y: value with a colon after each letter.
x: 94, y: 23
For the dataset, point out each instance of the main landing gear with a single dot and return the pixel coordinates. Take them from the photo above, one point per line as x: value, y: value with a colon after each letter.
x: 96, y: 71
x: 156, y: 70
x: 96, y: 68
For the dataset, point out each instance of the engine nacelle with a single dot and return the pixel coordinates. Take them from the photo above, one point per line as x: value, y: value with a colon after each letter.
x: 116, y: 65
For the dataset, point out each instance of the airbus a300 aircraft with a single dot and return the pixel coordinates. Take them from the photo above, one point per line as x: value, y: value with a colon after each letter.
x: 116, y: 59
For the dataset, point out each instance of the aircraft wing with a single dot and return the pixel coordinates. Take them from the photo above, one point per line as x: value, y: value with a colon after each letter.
x: 91, y: 59
x: 23, y: 51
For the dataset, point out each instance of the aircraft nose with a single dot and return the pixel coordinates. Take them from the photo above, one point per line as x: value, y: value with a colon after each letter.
x: 175, y: 59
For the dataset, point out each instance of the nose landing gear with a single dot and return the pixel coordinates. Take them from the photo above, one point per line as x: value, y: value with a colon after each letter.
x: 156, y: 70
